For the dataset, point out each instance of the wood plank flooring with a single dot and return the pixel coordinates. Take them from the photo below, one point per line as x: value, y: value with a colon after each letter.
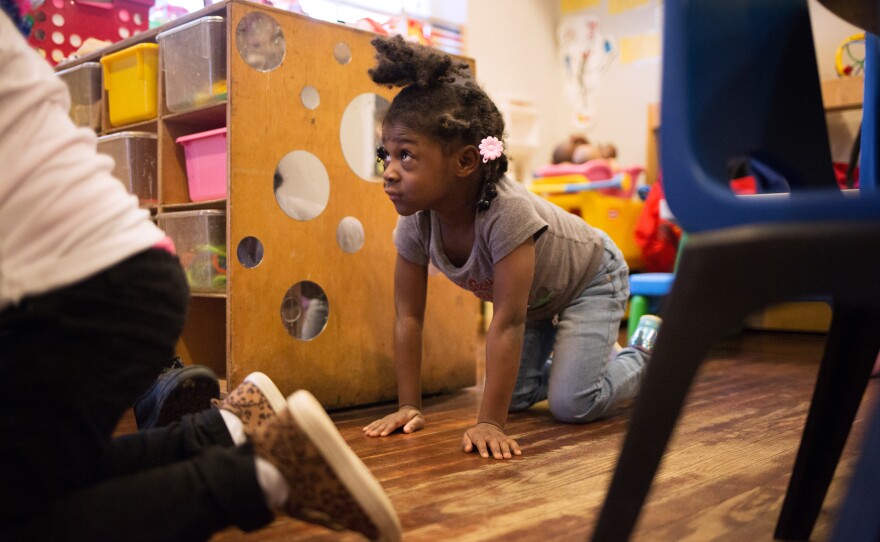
x: 723, y: 477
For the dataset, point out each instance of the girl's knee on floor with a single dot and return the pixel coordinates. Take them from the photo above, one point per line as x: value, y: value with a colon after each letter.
x: 571, y: 409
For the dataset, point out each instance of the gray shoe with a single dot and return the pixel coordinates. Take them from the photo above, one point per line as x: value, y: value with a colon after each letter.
x: 645, y: 335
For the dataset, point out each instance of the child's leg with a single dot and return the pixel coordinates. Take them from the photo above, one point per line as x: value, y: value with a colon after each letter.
x: 250, y: 405
x: 532, y: 378
x: 143, y: 450
x: 185, y: 501
x: 74, y: 360
x: 584, y: 383
x: 180, y: 470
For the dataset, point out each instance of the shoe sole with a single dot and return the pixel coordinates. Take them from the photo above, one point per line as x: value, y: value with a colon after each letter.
x: 269, y: 390
x: 313, y: 420
x: 190, y: 391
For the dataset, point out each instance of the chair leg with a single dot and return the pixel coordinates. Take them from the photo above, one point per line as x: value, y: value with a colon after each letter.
x: 692, y: 324
x: 638, y: 307
x: 717, y: 284
x: 858, y: 520
x: 850, y: 351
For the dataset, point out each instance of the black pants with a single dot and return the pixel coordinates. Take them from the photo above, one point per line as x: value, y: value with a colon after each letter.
x: 72, y: 361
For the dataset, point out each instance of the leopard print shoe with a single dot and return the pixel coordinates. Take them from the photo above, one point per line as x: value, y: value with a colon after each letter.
x: 255, y: 401
x: 329, y: 484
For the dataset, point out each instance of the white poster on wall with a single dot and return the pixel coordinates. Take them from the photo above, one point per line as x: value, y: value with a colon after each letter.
x: 586, y: 55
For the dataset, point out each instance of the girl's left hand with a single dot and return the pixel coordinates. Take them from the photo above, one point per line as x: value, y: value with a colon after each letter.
x: 486, y: 438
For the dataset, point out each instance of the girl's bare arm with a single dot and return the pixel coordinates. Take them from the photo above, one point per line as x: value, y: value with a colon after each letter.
x: 513, y: 279
x: 410, y: 293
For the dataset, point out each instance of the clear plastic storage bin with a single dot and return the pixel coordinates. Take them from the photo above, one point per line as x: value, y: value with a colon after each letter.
x: 194, y: 63
x: 200, y: 239
x: 86, y: 94
x: 135, y: 154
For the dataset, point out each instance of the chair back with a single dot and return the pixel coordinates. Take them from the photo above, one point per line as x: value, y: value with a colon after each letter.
x: 740, y: 80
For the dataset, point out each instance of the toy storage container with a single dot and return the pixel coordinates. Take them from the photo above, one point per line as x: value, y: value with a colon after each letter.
x: 62, y: 26
x: 131, y: 79
x: 86, y: 94
x: 200, y: 239
x: 135, y: 154
x: 613, y: 210
x: 205, y: 164
x: 194, y: 63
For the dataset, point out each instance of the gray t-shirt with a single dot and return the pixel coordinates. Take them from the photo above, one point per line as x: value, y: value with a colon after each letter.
x: 568, y: 251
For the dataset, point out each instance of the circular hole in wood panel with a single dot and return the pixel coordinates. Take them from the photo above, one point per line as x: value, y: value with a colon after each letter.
x: 260, y: 41
x: 305, y: 310
x: 301, y: 185
x: 250, y: 252
x: 360, y: 133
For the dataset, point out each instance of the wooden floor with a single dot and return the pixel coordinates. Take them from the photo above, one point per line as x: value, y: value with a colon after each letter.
x: 723, y: 478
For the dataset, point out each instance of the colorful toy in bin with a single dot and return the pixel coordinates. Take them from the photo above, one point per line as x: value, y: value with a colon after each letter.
x: 200, y: 238
x: 205, y: 267
x: 131, y: 77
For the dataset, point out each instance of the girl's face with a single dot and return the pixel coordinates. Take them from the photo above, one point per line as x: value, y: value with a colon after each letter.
x: 418, y: 174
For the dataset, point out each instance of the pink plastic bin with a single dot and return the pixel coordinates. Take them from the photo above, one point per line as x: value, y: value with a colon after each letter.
x: 205, y: 164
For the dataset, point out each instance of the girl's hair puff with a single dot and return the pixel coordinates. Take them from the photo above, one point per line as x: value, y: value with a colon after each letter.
x: 440, y: 99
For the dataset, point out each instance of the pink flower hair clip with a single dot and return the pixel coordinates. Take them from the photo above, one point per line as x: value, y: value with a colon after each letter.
x: 491, y: 148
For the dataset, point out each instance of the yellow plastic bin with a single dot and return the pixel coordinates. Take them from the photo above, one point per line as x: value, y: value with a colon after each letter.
x: 616, y: 216
x: 131, y: 80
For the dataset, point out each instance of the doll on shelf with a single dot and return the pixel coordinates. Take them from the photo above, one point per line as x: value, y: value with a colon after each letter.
x: 578, y: 149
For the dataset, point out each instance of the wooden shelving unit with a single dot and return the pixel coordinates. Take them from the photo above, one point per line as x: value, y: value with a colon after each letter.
x: 843, y: 93
x: 240, y: 331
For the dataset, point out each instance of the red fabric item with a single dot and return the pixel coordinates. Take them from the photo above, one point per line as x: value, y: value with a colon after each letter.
x: 658, y: 238
x: 744, y: 185
x: 840, y: 172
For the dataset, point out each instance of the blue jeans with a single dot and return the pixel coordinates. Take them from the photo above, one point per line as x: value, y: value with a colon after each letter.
x: 584, y: 382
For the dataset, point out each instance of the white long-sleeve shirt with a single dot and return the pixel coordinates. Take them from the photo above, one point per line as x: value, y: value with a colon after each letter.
x: 63, y: 216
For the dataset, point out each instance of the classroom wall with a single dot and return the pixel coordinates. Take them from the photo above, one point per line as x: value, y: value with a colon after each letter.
x: 515, y: 45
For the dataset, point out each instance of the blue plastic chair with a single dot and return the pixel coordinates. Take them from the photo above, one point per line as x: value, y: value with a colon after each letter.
x: 858, y: 520
x: 749, y: 87
x: 868, y: 174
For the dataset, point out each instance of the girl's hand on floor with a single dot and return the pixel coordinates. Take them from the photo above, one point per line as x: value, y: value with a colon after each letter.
x: 488, y: 438
x: 410, y: 418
